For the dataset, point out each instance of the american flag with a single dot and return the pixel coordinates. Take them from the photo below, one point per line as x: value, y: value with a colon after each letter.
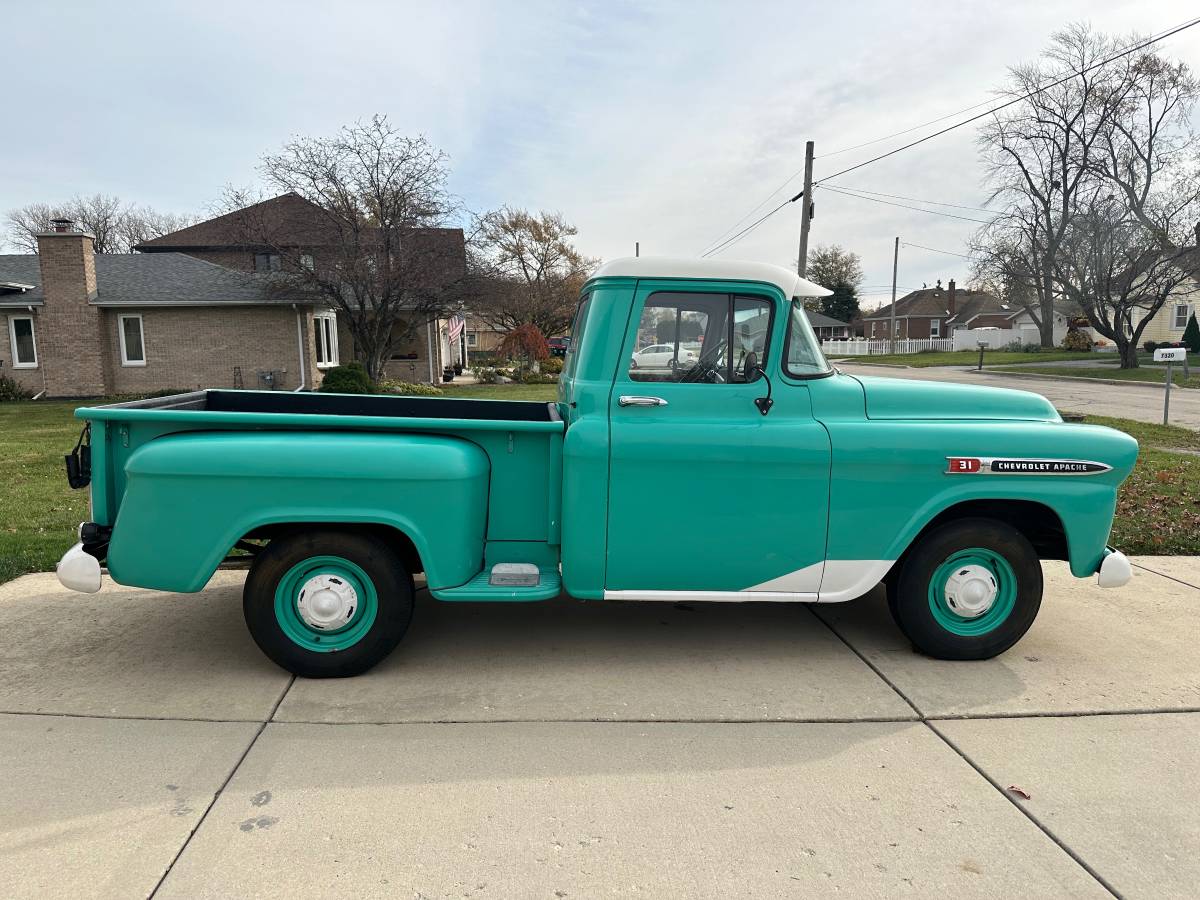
x: 455, y: 326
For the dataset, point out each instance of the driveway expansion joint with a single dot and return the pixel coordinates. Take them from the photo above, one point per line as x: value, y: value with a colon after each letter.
x: 221, y: 789
x: 1025, y: 812
x: 929, y: 722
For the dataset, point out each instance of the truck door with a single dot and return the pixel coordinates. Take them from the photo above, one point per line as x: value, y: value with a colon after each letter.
x: 706, y: 494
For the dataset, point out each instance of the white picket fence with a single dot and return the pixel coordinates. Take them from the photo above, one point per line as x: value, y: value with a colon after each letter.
x: 837, y: 349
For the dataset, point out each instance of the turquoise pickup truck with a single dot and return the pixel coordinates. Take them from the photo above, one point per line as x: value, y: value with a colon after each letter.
x: 735, y: 465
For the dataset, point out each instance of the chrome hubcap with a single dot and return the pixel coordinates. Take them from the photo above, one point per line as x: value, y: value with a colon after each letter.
x: 971, y: 591
x: 326, y: 602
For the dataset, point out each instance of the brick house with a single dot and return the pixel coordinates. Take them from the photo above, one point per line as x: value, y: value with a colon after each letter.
x: 78, y: 324
x: 298, y: 225
x: 936, y: 312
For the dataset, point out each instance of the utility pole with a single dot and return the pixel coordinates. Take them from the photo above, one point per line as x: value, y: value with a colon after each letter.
x: 895, y: 267
x: 806, y: 212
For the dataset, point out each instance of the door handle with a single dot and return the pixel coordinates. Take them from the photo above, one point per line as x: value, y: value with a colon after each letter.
x: 627, y: 400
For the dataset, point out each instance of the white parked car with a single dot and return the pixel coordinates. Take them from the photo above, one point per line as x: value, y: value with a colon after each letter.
x: 662, y: 356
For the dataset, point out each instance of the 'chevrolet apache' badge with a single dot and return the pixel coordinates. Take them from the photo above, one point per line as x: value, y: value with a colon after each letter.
x: 977, y: 465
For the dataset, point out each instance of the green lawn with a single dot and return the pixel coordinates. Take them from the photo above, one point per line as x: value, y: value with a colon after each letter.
x: 38, y: 512
x: 545, y: 392
x: 956, y: 358
x: 1151, y: 374
x: 1158, y: 511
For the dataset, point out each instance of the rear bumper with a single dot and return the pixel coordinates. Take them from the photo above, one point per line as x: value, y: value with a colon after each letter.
x: 79, y: 571
x: 1114, y: 570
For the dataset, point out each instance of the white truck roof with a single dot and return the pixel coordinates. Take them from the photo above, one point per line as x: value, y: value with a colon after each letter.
x: 787, y: 281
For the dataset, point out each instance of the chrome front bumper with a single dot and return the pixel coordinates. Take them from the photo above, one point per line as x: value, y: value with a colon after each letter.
x: 79, y: 570
x: 1114, y: 570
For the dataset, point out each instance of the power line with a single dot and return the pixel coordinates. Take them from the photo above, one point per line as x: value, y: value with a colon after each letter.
x: 880, y: 140
x: 1015, y: 100
x: 932, y: 212
x: 731, y: 241
x: 934, y: 249
x: 914, y: 199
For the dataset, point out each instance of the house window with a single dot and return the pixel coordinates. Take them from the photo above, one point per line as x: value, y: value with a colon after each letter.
x: 325, y: 330
x: 873, y: 324
x: 472, y: 338
x: 20, y: 338
x: 266, y: 262
x: 306, y: 261
x: 133, y: 350
x: 935, y: 328
x: 1180, y: 319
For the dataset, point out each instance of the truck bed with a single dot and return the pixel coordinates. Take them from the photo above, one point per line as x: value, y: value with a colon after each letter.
x: 314, y: 404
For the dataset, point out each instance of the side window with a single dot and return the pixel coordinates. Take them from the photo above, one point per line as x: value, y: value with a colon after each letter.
x: 700, y: 338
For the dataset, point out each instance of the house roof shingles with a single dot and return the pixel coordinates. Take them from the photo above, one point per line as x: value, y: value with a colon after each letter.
x: 820, y: 320
x: 150, y: 279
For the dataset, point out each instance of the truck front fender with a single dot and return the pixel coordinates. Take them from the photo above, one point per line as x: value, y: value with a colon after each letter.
x: 190, y: 497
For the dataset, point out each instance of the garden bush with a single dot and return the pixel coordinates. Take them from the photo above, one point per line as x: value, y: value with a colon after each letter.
x: 410, y: 389
x: 552, y: 365
x: 351, y: 378
x: 1191, y: 335
x: 1076, y: 340
x: 12, y: 390
x: 1150, y: 346
x: 484, y: 375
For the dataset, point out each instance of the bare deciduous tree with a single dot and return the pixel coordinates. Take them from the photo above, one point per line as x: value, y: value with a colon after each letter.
x: 364, y: 239
x: 1039, y: 155
x: 526, y: 270
x: 118, y: 227
x: 1118, y: 271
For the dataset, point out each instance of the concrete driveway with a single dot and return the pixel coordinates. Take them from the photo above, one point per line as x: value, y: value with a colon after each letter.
x: 1139, y: 401
x: 578, y: 750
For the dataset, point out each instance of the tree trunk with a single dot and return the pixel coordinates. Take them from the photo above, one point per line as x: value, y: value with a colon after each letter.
x: 1047, y: 306
x: 1128, y: 352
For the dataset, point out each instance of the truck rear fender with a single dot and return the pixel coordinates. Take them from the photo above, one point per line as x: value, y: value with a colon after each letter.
x: 190, y: 497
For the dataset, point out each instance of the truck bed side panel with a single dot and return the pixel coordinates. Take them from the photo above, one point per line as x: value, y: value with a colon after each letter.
x: 189, y: 497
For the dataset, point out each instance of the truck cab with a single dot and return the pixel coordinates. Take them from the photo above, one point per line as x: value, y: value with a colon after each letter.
x: 701, y: 448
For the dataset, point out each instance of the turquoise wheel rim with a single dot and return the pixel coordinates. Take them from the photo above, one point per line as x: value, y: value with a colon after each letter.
x: 291, y: 588
x: 972, y: 565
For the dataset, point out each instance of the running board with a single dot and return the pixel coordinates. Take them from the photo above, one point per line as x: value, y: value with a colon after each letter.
x: 548, y: 587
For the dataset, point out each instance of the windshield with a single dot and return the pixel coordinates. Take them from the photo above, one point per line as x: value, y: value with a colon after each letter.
x: 802, y: 354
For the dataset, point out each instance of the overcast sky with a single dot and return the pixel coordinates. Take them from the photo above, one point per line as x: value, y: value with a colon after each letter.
x: 662, y: 123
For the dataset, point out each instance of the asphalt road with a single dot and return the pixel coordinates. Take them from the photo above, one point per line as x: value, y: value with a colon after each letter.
x: 1142, y: 402
x: 572, y: 750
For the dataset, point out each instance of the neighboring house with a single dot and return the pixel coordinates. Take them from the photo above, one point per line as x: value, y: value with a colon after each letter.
x: 937, y: 312
x: 827, y: 327
x: 1167, y: 325
x: 299, y: 225
x: 78, y: 324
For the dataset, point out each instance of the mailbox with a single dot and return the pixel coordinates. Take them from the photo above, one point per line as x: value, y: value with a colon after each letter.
x: 1170, y: 354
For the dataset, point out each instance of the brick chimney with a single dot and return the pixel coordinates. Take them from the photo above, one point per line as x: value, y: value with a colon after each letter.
x: 950, y: 290
x: 71, y: 338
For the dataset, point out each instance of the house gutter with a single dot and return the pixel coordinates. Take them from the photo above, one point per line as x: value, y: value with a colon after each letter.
x: 300, y: 344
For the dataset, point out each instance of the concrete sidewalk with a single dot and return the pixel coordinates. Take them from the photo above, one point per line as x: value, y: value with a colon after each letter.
x: 571, y: 750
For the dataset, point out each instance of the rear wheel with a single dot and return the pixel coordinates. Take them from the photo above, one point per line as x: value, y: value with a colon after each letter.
x: 327, y: 604
x: 969, y: 590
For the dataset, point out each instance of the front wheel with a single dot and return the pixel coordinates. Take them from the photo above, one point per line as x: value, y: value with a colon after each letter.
x: 327, y: 604
x: 969, y: 590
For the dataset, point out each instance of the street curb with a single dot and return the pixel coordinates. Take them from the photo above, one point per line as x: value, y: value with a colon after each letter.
x: 1039, y: 375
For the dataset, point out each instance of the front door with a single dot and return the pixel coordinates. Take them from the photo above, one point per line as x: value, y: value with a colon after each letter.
x: 706, y: 494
